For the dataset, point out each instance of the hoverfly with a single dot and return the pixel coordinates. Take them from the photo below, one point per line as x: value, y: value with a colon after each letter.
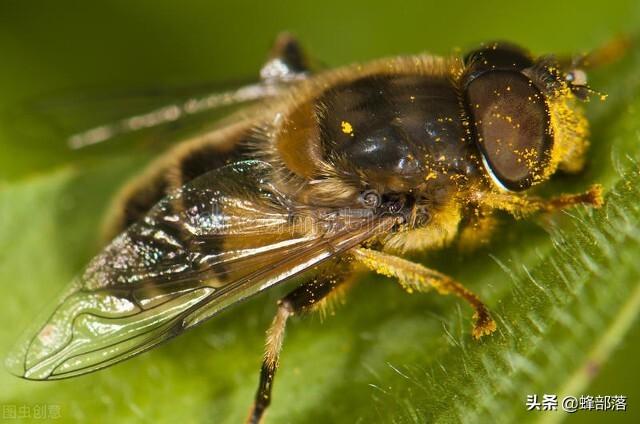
x: 323, y: 173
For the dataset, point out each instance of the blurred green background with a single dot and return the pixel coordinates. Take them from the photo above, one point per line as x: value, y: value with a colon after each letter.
x: 385, y: 356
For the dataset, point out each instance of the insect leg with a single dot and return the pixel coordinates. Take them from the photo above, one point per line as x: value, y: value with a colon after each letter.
x: 415, y: 277
x: 519, y: 205
x: 315, y: 295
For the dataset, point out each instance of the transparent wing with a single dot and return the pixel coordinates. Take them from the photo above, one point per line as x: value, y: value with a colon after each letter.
x: 95, y: 117
x: 221, y: 238
x: 172, y: 113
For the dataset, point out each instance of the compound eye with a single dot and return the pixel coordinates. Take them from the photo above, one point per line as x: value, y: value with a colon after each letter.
x: 511, y: 124
x: 496, y: 56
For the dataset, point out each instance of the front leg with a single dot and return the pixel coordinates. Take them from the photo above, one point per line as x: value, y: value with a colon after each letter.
x: 415, y: 277
x: 519, y: 205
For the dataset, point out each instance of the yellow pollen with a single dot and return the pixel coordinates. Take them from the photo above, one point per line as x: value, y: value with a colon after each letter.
x: 347, y: 128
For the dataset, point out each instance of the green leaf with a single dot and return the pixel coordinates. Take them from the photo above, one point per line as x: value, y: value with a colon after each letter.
x: 565, y: 292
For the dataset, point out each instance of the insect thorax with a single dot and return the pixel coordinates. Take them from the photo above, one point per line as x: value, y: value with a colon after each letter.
x: 392, y: 133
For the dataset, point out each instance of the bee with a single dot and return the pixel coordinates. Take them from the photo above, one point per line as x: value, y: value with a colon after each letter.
x: 322, y: 174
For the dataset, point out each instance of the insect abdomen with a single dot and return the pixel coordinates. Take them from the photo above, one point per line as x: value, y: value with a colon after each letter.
x: 173, y: 169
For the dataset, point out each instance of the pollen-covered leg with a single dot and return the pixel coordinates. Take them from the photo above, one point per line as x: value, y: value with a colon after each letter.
x: 316, y: 295
x: 415, y: 277
x: 519, y: 205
